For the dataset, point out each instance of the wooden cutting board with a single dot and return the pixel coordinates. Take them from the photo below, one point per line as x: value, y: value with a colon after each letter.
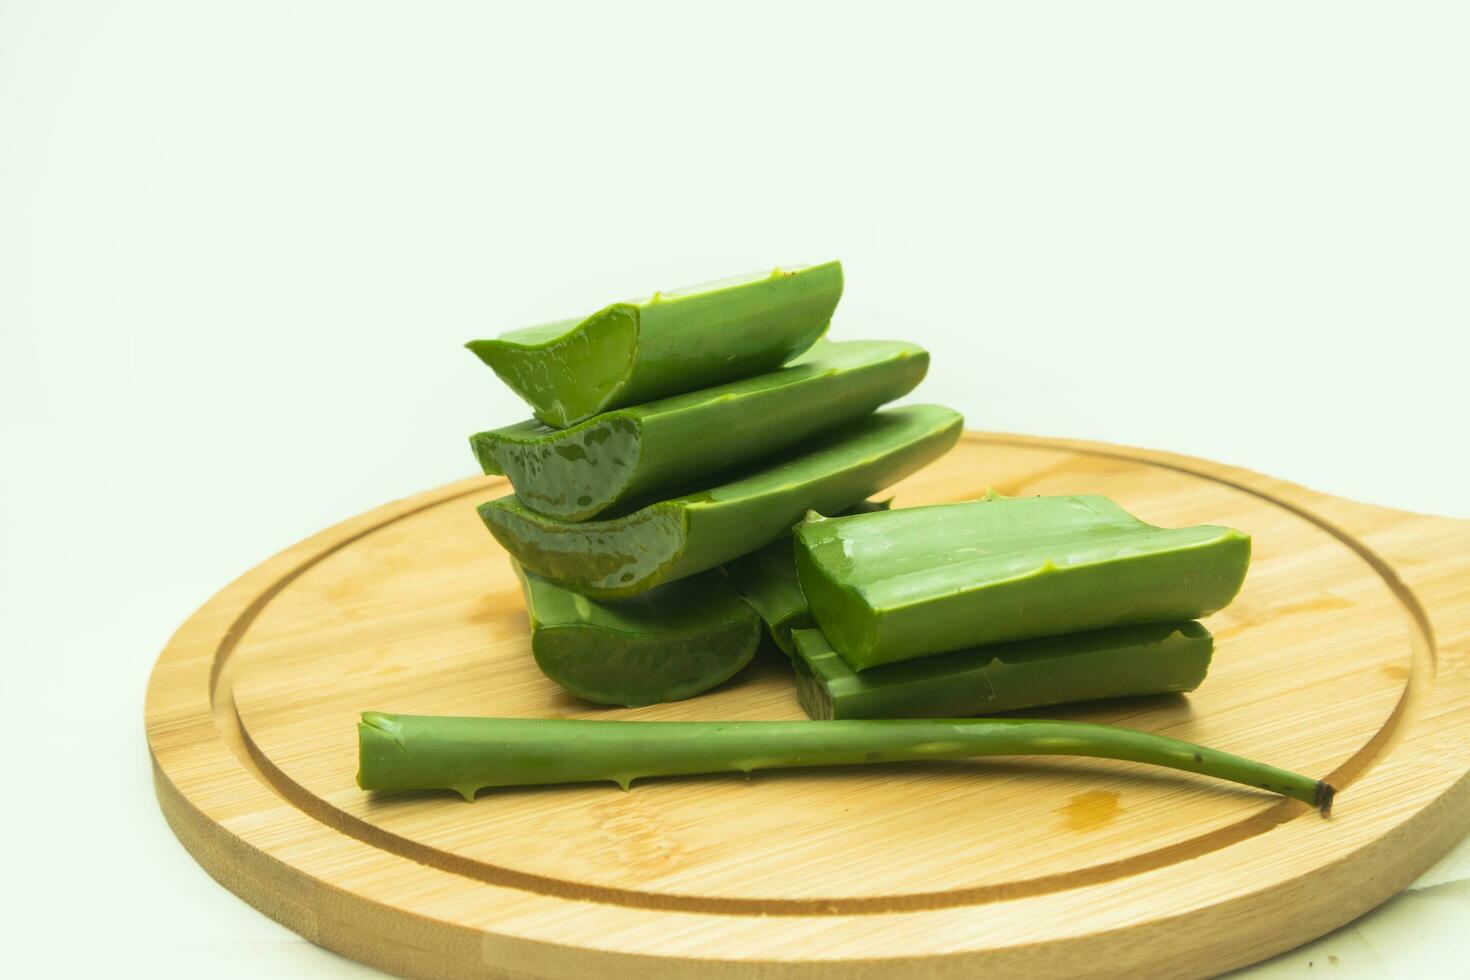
x: 1347, y: 655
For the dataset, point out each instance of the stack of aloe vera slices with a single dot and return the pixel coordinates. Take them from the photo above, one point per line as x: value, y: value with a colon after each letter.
x: 995, y: 605
x: 673, y: 435
x: 678, y: 440
x: 669, y: 508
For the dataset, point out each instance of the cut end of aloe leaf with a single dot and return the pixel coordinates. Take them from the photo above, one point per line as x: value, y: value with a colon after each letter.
x: 484, y: 452
x: 608, y: 559
x: 566, y: 371
x: 571, y: 474
x: 379, y: 737
x: 1325, y: 795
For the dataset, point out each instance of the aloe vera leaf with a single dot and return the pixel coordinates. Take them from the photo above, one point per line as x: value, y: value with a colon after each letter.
x: 767, y: 579
x: 399, y: 752
x: 1151, y: 658
x: 623, y: 556
x: 926, y: 580
x: 633, y: 455
x: 676, y: 341
x: 669, y: 643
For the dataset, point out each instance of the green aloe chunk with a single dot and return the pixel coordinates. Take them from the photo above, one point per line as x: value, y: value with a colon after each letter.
x: 669, y: 643
x: 623, y: 556
x: 399, y: 752
x: 1152, y: 658
x: 634, y: 352
x: 632, y: 455
x: 925, y: 580
x: 767, y: 579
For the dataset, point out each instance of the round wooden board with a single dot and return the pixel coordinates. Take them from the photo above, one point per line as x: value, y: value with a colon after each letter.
x: 1345, y: 656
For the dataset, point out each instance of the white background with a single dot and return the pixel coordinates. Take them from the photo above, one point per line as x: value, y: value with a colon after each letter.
x: 240, y: 245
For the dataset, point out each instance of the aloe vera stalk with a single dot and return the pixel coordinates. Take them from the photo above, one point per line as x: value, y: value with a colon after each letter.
x: 632, y: 455
x: 669, y: 643
x: 767, y: 579
x: 926, y: 580
x: 400, y: 752
x: 676, y: 341
x: 1154, y: 658
x: 623, y: 556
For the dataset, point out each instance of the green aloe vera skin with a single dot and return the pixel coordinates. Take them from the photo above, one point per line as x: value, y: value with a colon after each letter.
x: 1153, y: 658
x: 767, y: 579
x: 633, y: 455
x: 668, y: 644
x: 630, y: 353
x: 675, y: 538
x: 408, y: 752
x: 926, y: 580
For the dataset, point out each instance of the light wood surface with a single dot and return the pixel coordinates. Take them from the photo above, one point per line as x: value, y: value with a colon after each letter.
x: 1347, y: 656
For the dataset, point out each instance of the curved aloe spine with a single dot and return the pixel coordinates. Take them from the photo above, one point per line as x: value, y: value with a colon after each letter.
x: 398, y: 752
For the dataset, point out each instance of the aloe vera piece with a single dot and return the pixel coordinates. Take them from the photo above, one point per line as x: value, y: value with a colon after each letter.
x: 767, y: 579
x: 398, y: 752
x: 669, y: 643
x: 633, y: 455
x: 634, y: 352
x: 925, y: 580
x: 623, y: 556
x: 1151, y: 658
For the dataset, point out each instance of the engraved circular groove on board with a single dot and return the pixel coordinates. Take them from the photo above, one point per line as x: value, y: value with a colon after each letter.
x: 423, y: 615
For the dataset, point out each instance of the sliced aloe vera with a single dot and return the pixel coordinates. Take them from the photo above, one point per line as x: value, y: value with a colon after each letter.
x: 925, y: 580
x: 623, y: 556
x: 633, y: 455
x: 629, y: 353
x: 1152, y: 658
x: 767, y: 579
x: 669, y: 643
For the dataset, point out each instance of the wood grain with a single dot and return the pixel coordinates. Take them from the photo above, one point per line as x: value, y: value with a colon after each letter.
x: 1345, y: 656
